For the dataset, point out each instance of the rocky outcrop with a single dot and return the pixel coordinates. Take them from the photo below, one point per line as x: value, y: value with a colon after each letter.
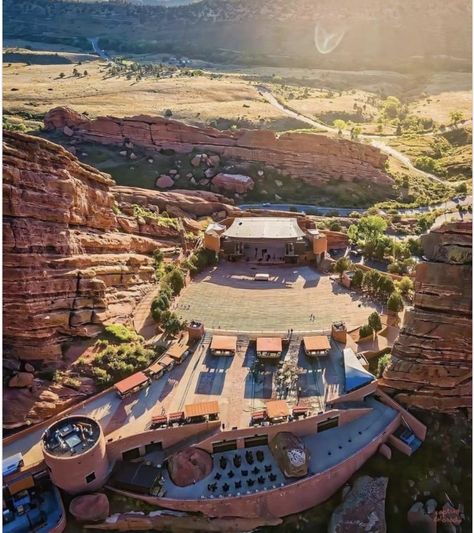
x: 363, y: 508
x: 431, y: 359
x: 183, y: 203
x: 315, y: 159
x: 72, y: 261
x: 233, y: 182
x: 90, y: 507
x: 189, y: 466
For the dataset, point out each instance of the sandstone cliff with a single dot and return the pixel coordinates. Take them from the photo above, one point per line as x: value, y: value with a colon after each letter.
x: 314, y: 159
x: 431, y: 360
x: 73, y: 260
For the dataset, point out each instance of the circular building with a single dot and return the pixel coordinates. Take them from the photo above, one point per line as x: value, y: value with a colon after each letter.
x: 74, y: 451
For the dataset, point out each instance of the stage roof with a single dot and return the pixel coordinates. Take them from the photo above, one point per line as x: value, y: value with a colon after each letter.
x: 224, y: 343
x: 259, y: 228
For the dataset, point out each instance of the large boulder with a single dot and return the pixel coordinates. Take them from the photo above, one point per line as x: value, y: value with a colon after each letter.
x: 189, y: 466
x: 63, y: 117
x: 290, y: 453
x: 21, y: 380
x: 164, y: 182
x: 363, y: 508
x: 233, y: 182
x: 90, y: 507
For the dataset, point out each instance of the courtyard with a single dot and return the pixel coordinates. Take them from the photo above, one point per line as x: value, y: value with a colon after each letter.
x: 295, y: 297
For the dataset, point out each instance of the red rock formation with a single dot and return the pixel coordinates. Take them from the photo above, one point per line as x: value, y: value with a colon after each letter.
x: 312, y: 158
x: 70, y: 262
x: 189, y: 466
x: 90, y: 507
x: 431, y: 359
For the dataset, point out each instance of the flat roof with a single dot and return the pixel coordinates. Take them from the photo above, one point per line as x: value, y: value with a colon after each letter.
x: 201, y: 409
x: 135, y: 380
x: 316, y: 343
x: 264, y: 228
x: 269, y: 344
x: 224, y: 343
x: 277, y: 409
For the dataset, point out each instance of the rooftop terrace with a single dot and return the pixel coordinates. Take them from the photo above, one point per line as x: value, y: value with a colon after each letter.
x: 247, y: 471
x: 71, y: 436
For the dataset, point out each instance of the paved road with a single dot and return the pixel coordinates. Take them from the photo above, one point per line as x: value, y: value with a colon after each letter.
x: 101, y: 53
x: 374, y: 140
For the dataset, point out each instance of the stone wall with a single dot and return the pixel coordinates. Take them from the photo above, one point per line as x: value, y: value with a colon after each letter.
x: 432, y: 357
x: 314, y: 159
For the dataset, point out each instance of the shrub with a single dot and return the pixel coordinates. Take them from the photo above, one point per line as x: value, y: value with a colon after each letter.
x: 357, y: 279
x: 334, y: 225
x: 382, y: 363
x: 374, y: 321
x: 158, y: 257
x: 121, y: 333
x: 175, y: 279
x: 461, y: 188
x: 365, y: 331
x: 395, y: 303
x: 341, y: 265
x: 405, y: 285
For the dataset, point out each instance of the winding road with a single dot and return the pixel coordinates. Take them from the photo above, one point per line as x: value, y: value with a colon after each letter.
x: 374, y: 140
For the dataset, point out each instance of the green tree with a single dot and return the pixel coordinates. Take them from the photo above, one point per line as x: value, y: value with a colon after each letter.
x: 367, y: 228
x: 365, y: 331
x: 374, y: 321
x: 341, y: 265
x: 395, y: 303
x: 382, y: 364
x: 385, y: 286
x: 168, y: 113
x: 456, y: 116
x: 461, y: 188
x: 391, y: 107
x: 405, y: 285
x: 357, y: 279
x: 340, y: 125
x: 175, y: 279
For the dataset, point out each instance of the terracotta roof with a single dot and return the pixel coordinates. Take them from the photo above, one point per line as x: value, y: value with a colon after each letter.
x: 316, y: 343
x: 201, y: 409
x: 155, y: 368
x: 224, y: 342
x: 166, y: 360
x: 277, y: 409
x: 131, y: 382
x: 176, y: 416
x: 269, y: 344
x: 176, y: 351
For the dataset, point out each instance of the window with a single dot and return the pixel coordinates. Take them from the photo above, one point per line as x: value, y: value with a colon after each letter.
x: 153, y: 447
x: 257, y: 440
x: 328, y: 424
x: 134, y: 453
x: 90, y: 478
x: 224, y: 446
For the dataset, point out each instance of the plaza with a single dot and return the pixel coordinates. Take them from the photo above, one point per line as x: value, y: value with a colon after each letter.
x: 229, y: 298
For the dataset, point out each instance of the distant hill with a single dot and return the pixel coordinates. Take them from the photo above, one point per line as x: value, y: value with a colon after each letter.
x: 341, y: 34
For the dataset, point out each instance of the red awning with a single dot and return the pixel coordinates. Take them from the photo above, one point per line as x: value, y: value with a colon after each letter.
x: 131, y: 382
